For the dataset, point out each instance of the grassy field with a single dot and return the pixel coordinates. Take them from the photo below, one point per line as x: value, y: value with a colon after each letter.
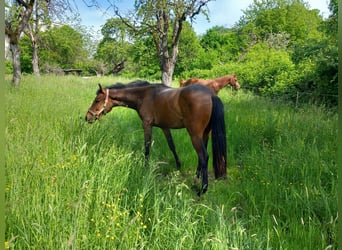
x: 72, y: 185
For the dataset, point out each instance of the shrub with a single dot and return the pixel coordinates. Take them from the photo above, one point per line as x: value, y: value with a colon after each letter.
x: 8, y: 67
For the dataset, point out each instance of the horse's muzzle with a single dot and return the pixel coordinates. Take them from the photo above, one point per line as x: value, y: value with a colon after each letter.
x: 90, y: 118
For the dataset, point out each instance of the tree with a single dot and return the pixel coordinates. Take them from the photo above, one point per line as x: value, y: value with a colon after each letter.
x: 62, y: 47
x: 25, y: 47
x: 191, y: 54
x: 223, y: 41
x: 144, y: 60
x: 17, y: 16
x: 332, y: 22
x: 291, y: 17
x: 38, y: 19
x: 19, y: 19
x: 114, y: 46
x: 164, y: 21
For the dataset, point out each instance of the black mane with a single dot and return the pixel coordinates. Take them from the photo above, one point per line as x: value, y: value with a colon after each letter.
x: 119, y: 85
x: 137, y: 83
x: 134, y: 84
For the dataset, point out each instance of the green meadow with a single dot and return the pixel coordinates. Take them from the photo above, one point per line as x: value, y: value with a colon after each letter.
x: 73, y: 185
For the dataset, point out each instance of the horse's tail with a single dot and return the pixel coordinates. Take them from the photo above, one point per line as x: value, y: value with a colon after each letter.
x: 219, y: 146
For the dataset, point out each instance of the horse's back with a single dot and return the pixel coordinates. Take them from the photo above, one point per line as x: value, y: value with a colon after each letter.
x: 194, y: 81
x: 195, y: 97
x: 197, y: 90
x: 188, y: 96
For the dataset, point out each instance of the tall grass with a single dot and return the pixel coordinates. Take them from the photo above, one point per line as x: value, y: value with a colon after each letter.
x: 79, y: 186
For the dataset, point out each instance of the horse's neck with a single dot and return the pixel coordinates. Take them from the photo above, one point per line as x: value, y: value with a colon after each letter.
x: 130, y: 97
x: 223, y: 81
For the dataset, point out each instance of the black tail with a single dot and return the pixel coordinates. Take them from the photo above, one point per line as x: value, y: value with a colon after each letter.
x: 218, y: 138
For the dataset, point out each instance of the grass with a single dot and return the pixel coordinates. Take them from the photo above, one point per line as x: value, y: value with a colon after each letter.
x: 71, y: 185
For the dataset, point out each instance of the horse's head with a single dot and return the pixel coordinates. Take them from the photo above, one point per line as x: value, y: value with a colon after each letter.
x: 234, y: 82
x: 101, y: 105
x: 181, y: 82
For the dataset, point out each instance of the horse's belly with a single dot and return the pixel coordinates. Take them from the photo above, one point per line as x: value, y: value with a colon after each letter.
x: 167, y: 113
x: 170, y: 120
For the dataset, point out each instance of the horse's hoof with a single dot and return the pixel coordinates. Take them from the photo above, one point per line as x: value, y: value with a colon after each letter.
x: 196, y: 181
x: 178, y: 165
x: 204, y: 188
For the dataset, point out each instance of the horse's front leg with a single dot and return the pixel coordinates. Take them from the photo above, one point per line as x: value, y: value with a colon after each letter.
x: 169, y: 139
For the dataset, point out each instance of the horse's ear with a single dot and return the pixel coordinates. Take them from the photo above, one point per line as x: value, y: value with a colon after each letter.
x: 101, y: 88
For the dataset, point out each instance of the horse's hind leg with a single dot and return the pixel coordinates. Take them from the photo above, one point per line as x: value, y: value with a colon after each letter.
x: 169, y: 139
x: 205, y: 141
x: 203, y: 157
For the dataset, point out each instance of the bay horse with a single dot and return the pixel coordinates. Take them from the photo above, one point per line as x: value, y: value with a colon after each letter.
x: 194, y: 107
x: 214, y: 84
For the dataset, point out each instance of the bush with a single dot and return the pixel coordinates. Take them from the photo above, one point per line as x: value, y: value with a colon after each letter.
x: 268, y: 71
x: 264, y: 70
x: 8, y: 67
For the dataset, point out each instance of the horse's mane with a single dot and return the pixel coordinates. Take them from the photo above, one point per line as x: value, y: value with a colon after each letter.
x: 137, y: 83
x: 119, y: 85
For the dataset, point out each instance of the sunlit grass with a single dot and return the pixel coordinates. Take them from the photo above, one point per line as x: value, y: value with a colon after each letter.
x: 74, y: 185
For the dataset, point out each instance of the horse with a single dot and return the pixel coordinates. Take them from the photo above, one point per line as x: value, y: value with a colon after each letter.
x: 194, y: 107
x: 214, y: 84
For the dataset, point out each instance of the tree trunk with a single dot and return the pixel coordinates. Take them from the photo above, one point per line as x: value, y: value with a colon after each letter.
x: 167, y: 73
x: 16, y: 63
x: 168, y: 58
x: 35, y: 58
x: 21, y: 18
x: 32, y: 33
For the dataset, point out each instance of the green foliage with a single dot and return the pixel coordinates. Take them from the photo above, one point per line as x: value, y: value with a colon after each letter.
x: 331, y: 25
x: 291, y: 16
x: 26, y: 55
x: 145, y: 62
x: 114, y: 46
x: 317, y: 63
x: 74, y: 185
x: 8, y: 67
x: 264, y: 70
x: 268, y: 71
x: 62, y: 46
x: 111, y: 52
x: 191, y: 54
x: 278, y: 48
x: 224, y: 42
